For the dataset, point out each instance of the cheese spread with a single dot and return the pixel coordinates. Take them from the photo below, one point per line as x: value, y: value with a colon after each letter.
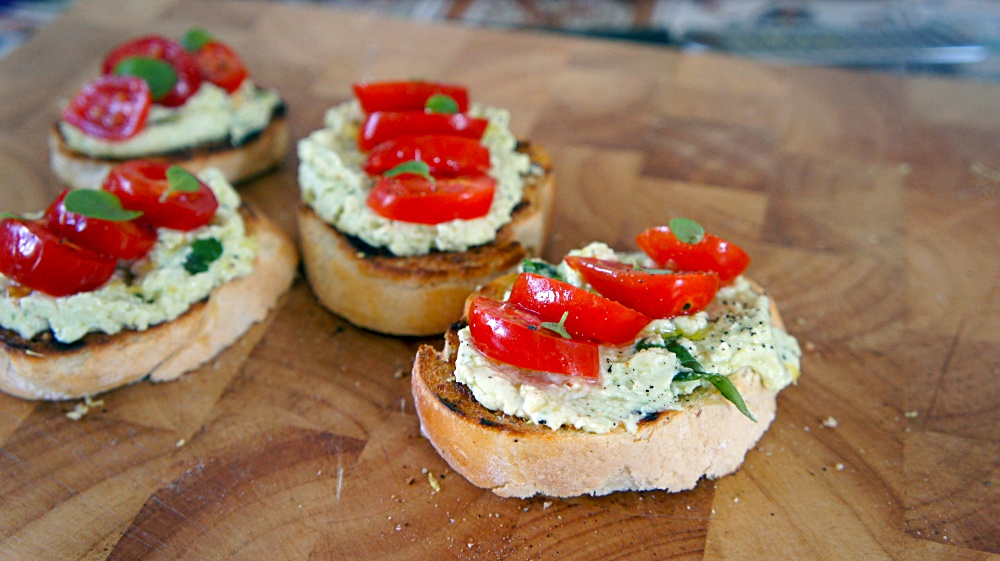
x: 210, y: 115
x: 734, y: 333
x: 154, y: 289
x: 334, y: 185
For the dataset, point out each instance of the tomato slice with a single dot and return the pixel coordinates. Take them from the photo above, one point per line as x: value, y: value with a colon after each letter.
x: 220, y: 65
x: 512, y: 335
x: 167, y: 50
x: 110, y: 107
x: 410, y: 198
x: 141, y: 184
x: 381, y: 126
x: 447, y: 156
x: 658, y: 295
x: 121, y: 240
x: 38, y: 259
x: 407, y: 96
x: 590, y: 316
x: 712, y: 253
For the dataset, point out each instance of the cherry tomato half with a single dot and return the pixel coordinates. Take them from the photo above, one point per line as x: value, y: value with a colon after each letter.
x: 110, y: 107
x: 447, y: 156
x: 658, y: 295
x: 167, y: 50
x: 381, y: 126
x: 591, y: 316
x: 410, y: 198
x: 710, y: 254
x: 121, y: 240
x: 511, y: 335
x: 220, y: 65
x: 406, y: 96
x: 140, y: 185
x: 38, y: 259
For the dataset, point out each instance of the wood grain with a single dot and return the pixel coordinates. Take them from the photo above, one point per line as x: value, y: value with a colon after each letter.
x: 871, y: 206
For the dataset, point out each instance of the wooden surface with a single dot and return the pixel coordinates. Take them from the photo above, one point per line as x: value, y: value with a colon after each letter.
x: 871, y: 206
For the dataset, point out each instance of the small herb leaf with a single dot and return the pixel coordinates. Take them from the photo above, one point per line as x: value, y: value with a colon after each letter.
x: 203, y: 253
x: 98, y: 204
x: 559, y: 328
x: 160, y: 76
x: 412, y: 167
x: 180, y: 179
x: 687, y: 230
x: 441, y: 103
x: 539, y: 267
x: 9, y: 215
x: 194, y: 39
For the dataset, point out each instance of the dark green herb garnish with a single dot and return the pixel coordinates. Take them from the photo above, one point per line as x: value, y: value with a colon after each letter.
x: 160, y: 76
x: 539, y: 267
x: 687, y: 230
x: 558, y: 327
x: 696, y: 372
x: 203, y: 253
x: 98, y: 204
x: 181, y: 180
x: 412, y: 167
x: 9, y: 215
x: 441, y: 103
x: 194, y: 39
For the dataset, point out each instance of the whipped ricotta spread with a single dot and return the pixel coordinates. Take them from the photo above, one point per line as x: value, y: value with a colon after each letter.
x: 210, y: 115
x: 334, y: 185
x: 734, y: 333
x: 152, y: 290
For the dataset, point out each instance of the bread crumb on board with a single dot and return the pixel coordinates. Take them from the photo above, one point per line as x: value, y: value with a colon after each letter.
x: 830, y: 423
x: 84, y: 407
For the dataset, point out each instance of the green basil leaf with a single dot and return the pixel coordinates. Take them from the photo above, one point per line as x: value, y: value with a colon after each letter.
x: 180, y: 179
x: 687, y: 230
x: 194, y: 39
x: 558, y: 327
x: 441, y: 103
x: 9, y: 215
x: 160, y: 76
x: 539, y: 267
x: 412, y: 167
x: 203, y: 253
x: 98, y: 204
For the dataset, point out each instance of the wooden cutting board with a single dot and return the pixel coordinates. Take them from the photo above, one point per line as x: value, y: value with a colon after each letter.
x: 870, y: 204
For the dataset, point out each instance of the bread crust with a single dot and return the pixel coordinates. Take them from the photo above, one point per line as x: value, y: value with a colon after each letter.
x: 237, y: 163
x: 43, y: 369
x: 512, y: 457
x: 419, y: 295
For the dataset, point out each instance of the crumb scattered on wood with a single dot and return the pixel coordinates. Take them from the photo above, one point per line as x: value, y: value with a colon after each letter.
x: 830, y: 423
x: 84, y: 407
x: 181, y: 442
x: 433, y: 482
x: 911, y: 414
x: 840, y: 466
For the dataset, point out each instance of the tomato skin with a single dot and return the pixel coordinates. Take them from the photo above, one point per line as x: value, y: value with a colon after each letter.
x: 655, y: 295
x: 406, y: 96
x: 38, y: 259
x: 411, y: 198
x: 120, y: 240
x: 220, y: 65
x: 712, y: 253
x: 139, y: 184
x: 446, y: 156
x: 110, y: 108
x: 381, y: 126
x: 591, y: 316
x: 511, y: 335
x: 167, y: 50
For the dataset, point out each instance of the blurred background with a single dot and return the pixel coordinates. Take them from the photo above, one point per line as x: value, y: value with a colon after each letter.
x: 953, y: 38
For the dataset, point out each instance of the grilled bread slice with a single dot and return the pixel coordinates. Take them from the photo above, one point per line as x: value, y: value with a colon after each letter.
x: 256, y: 155
x: 512, y: 457
x: 420, y: 295
x: 42, y: 368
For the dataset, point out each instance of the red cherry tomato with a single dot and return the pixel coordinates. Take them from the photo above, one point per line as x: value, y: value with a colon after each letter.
x: 658, y: 295
x: 220, y: 65
x: 406, y: 96
x: 121, y: 240
x: 381, y: 126
x: 110, y: 107
x: 710, y: 254
x: 167, y: 50
x: 38, y: 259
x: 140, y: 185
x: 511, y: 335
x: 411, y: 198
x: 447, y: 156
x: 591, y: 316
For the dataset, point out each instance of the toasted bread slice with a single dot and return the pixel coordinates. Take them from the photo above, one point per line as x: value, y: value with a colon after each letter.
x: 42, y: 368
x: 419, y: 295
x: 258, y: 154
x: 671, y: 450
